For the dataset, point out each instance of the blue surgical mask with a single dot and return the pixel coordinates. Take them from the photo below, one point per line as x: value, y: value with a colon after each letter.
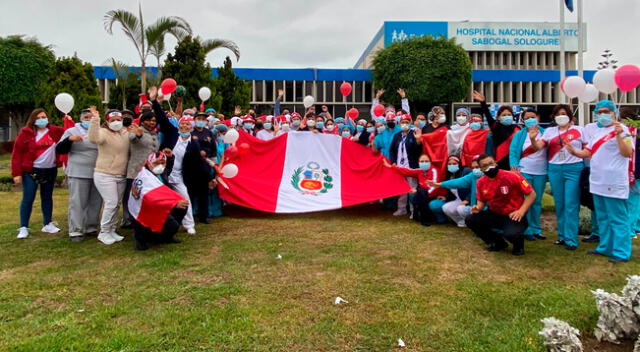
x: 381, y: 129
x: 185, y: 134
x: 220, y: 138
x: 370, y: 129
x: 453, y: 168
x: 605, y: 119
x: 531, y: 122
x: 476, y: 126
x: 506, y: 120
x: 422, y: 123
x: 319, y: 124
x: 380, y: 119
x: 296, y: 123
x: 200, y: 123
x: 425, y: 165
x: 477, y: 172
x: 85, y: 124
x: 248, y: 125
x: 268, y: 125
x: 360, y: 128
x: 346, y: 134
x: 42, y: 122
x: 173, y: 121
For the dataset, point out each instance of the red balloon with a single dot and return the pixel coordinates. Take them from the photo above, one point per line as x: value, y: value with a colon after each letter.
x: 353, y: 113
x: 231, y: 152
x: 345, y: 88
x: 244, y: 148
x: 378, y: 110
x: 168, y: 86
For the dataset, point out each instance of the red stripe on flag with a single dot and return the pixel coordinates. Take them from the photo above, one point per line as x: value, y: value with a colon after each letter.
x: 261, y: 169
x: 156, y: 206
x: 364, y: 178
x: 434, y: 144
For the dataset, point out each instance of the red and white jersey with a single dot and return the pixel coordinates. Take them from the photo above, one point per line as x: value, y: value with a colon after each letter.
x: 533, y: 162
x: 553, y: 137
x: 46, y: 151
x: 609, y: 169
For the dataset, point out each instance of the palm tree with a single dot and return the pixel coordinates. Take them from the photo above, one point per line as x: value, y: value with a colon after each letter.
x: 121, y: 70
x: 146, y: 39
x: 212, y: 44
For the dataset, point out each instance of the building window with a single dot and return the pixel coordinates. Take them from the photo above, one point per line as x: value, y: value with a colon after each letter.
x: 258, y: 91
x: 368, y: 91
x: 329, y: 91
x: 357, y: 91
x: 319, y: 91
x: 269, y: 91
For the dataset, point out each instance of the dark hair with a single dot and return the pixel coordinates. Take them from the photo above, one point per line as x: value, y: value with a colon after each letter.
x: 484, y: 156
x: 425, y: 154
x: 34, y: 116
x: 421, y: 113
x: 557, y: 108
x: 503, y: 108
x: 147, y: 116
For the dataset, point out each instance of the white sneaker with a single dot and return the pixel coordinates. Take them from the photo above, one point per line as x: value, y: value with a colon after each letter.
x: 191, y: 231
x: 400, y: 212
x: 116, y: 237
x: 23, y: 233
x: 106, y: 238
x: 51, y: 228
x: 75, y: 234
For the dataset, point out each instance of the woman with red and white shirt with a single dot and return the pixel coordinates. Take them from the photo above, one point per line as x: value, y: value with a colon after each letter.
x: 33, y: 163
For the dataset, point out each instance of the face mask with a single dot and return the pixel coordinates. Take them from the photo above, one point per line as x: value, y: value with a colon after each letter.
x: 158, y: 169
x: 268, y: 125
x: 340, y: 125
x: 562, y: 120
x: 397, y: 118
x: 531, y: 122
x: 453, y: 168
x: 380, y: 119
x: 442, y: 118
x: 320, y: 124
x: 477, y: 172
x: 370, y: 129
x: 330, y: 128
x: 424, y: 165
x: 360, y: 128
x: 391, y: 124
x: 185, y: 134
x: 145, y: 109
x: 248, y: 126
x: 42, y: 122
x: 220, y: 138
x: 380, y: 129
x: 346, y: 134
x: 506, y: 120
x: 461, y: 120
x: 605, y: 119
x: 85, y: 124
x: 115, y: 125
x: 491, y: 172
x: 296, y: 123
x: 404, y: 127
x: 285, y: 127
x: 200, y: 123
x: 311, y: 123
x: 475, y: 126
x: 422, y: 123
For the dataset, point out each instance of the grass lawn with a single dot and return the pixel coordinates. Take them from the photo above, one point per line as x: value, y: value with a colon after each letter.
x: 224, y: 289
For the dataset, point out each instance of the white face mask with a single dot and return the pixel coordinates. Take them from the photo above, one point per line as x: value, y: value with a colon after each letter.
x: 562, y: 120
x: 285, y: 127
x: 115, y: 125
x: 461, y: 119
x: 330, y: 128
x: 158, y: 169
x: 311, y: 123
x: 442, y: 118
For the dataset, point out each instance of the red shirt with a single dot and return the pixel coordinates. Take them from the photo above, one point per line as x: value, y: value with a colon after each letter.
x: 505, y: 193
x: 423, y: 176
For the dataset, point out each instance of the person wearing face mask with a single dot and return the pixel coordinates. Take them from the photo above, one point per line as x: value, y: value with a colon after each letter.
x: 281, y: 126
x: 110, y: 172
x: 458, y: 132
x: 84, y: 199
x: 159, y: 219
x: 346, y: 133
x: 341, y: 124
x: 404, y: 152
x: 421, y: 122
x: 330, y: 128
x: 267, y: 132
x: 367, y: 135
x: 465, y: 186
x: 361, y: 125
x: 478, y: 141
x: 532, y: 164
x: 34, y: 163
x: 462, y: 119
x: 248, y: 125
x: 376, y: 100
x: 384, y: 137
x: 437, y: 120
x: 434, y: 142
x: 453, y: 198
x: 503, y: 129
x: 309, y: 123
x: 564, y: 171
x: 610, y: 150
x: 509, y: 197
x: 296, y: 122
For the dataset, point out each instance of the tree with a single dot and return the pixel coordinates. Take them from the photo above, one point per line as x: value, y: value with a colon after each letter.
x: 188, y: 67
x: 24, y: 64
x: 124, y: 94
x: 69, y: 75
x: 233, y: 90
x: 210, y: 45
x: 148, y: 40
x: 431, y: 70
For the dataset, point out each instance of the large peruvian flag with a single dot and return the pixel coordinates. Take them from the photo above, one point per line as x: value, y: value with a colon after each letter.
x: 301, y: 172
x: 150, y: 201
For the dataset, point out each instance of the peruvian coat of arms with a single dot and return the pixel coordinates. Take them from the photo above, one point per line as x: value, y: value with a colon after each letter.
x: 311, y: 179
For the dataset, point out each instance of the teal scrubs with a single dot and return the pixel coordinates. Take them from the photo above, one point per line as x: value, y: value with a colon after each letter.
x: 613, y: 221
x: 565, y: 186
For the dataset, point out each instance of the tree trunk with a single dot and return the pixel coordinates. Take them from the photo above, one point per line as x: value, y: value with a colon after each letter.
x: 143, y: 77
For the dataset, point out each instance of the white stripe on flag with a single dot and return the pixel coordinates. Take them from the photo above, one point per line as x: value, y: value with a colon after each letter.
x: 311, y: 176
x: 144, y: 183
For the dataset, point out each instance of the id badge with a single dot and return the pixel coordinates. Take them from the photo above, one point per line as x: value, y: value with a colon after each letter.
x: 562, y: 156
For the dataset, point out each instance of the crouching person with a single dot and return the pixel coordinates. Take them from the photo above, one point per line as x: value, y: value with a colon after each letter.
x: 156, y: 210
x: 508, y: 196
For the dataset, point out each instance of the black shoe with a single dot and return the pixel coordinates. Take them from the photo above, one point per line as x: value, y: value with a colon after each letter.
x: 540, y: 237
x: 594, y: 252
x: 559, y: 243
x: 173, y: 240
x: 570, y: 247
x: 76, y: 238
x: 591, y: 239
x: 497, y: 247
x: 425, y: 224
x: 617, y: 260
x: 530, y: 238
x: 518, y: 252
x: 204, y: 221
x: 92, y: 234
x: 140, y: 246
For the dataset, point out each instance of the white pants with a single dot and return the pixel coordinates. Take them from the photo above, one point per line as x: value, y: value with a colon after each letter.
x: 187, y: 221
x: 402, y: 199
x: 84, y: 205
x: 456, y: 211
x: 111, y: 188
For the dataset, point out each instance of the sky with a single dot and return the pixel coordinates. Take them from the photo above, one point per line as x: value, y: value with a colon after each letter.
x: 301, y: 33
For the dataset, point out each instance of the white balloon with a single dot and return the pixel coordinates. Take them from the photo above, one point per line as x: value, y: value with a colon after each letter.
x: 204, y: 93
x: 167, y: 97
x: 231, y: 136
x: 590, y: 94
x: 308, y: 101
x: 604, y: 80
x: 64, y: 102
x: 574, y: 86
x: 229, y: 170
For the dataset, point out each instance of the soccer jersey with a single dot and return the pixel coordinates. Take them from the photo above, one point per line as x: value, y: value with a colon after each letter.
x: 609, y: 169
x: 533, y: 162
x: 505, y: 193
x: 556, y: 153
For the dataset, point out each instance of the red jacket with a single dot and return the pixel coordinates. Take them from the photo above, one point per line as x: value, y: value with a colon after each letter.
x: 23, y: 155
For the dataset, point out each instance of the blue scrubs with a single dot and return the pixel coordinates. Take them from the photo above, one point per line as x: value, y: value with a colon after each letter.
x: 538, y: 182
x: 633, y: 205
x: 565, y: 186
x: 436, y: 208
x: 612, y: 214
